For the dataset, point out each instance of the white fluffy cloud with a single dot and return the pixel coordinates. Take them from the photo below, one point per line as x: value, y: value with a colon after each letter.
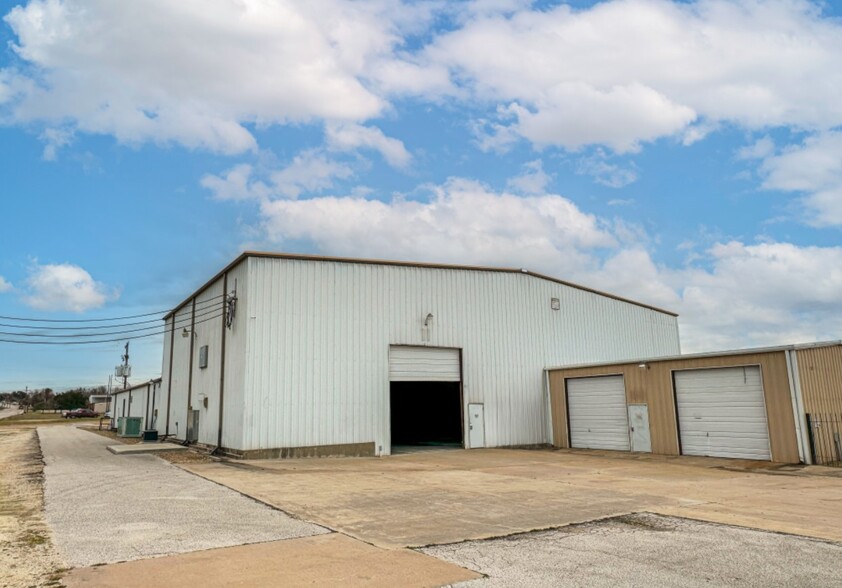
x: 462, y: 222
x: 814, y: 169
x: 310, y: 171
x: 194, y: 72
x: 628, y: 71
x: 4, y: 285
x: 608, y: 174
x: 533, y: 180
x: 53, y: 287
x: 351, y: 136
x: 618, y: 74
x: 763, y: 294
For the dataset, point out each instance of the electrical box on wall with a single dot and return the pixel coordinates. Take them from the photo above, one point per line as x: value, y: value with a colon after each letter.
x: 203, y: 356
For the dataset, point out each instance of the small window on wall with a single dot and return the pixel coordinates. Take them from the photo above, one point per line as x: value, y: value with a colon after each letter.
x: 203, y: 356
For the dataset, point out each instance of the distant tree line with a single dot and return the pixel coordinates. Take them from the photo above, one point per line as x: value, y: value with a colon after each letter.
x: 46, y: 399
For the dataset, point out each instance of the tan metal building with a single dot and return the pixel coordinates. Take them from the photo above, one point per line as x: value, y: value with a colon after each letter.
x: 782, y: 404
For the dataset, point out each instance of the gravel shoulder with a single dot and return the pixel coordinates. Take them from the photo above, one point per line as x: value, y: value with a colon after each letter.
x: 27, y: 555
x: 105, y: 508
x: 646, y: 550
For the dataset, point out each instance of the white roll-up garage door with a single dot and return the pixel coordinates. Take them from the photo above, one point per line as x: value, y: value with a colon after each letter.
x: 722, y: 413
x: 598, y: 413
x: 423, y: 364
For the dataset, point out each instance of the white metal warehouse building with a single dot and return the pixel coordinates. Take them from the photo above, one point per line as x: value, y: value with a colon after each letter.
x: 287, y: 355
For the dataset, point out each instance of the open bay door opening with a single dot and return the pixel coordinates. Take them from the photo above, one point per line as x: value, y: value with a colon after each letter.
x: 722, y: 413
x: 425, y: 397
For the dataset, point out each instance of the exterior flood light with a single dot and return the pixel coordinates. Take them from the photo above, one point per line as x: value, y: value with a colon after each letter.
x: 643, y: 366
x: 428, y: 320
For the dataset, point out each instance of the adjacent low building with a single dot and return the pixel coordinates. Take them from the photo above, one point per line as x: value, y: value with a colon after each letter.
x: 281, y: 355
x: 782, y: 404
x: 139, y: 400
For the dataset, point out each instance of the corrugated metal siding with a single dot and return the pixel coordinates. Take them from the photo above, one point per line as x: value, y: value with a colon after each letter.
x: 180, y: 375
x: 820, y: 374
x: 235, y: 360
x: 163, y: 408
x: 208, y: 331
x: 319, y: 336
x: 206, y: 381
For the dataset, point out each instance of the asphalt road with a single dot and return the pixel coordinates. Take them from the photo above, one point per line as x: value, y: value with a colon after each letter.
x: 7, y: 412
x: 647, y: 550
x: 104, y: 508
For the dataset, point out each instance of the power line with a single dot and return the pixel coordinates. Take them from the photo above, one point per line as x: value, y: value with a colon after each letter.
x: 103, y: 329
x: 101, y: 320
x: 165, y: 331
x: 176, y: 324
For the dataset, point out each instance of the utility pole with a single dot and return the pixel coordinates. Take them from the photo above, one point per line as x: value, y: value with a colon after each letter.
x: 126, y: 367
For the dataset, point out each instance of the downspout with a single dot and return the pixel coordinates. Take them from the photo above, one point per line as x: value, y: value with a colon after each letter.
x: 153, y: 420
x: 799, y: 432
x: 549, y: 406
x: 222, y: 357
x: 190, y: 372
x: 802, y: 415
x: 146, y: 406
x: 169, y: 378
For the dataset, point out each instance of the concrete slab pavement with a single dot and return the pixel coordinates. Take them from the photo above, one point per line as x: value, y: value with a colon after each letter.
x: 324, y: 560
x: 141, y: 448
x: 450, y: 496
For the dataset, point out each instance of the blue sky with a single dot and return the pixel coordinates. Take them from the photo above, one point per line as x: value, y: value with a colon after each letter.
x: 687, y: 154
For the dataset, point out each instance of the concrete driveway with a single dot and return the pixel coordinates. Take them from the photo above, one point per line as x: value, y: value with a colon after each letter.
x: 451, y: 496
x: 106, y: 508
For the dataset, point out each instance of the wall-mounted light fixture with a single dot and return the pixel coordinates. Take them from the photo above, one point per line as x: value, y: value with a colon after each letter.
x: 643, y: 366
x: 429, y: 320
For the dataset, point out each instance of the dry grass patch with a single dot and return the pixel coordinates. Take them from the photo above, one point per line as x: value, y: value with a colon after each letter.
x: 27, y: 555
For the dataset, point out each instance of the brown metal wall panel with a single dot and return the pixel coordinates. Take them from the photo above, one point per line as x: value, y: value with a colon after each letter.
x: 820, y: 374
x: 653, y: 386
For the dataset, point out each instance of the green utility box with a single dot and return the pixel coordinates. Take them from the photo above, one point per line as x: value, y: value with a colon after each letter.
x: 129, y: 426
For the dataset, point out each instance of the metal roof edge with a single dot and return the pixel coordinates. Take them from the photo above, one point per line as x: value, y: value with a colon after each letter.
x: 136, y: 386
x: 309, y: 257
x: 724, y: 353
x: 241, y: 257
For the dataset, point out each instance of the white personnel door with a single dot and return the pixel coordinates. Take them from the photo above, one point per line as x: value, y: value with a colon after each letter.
x: 476, y: 426
x: 597, y: 410
x: 722, y: 413
x: 639, y: 428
